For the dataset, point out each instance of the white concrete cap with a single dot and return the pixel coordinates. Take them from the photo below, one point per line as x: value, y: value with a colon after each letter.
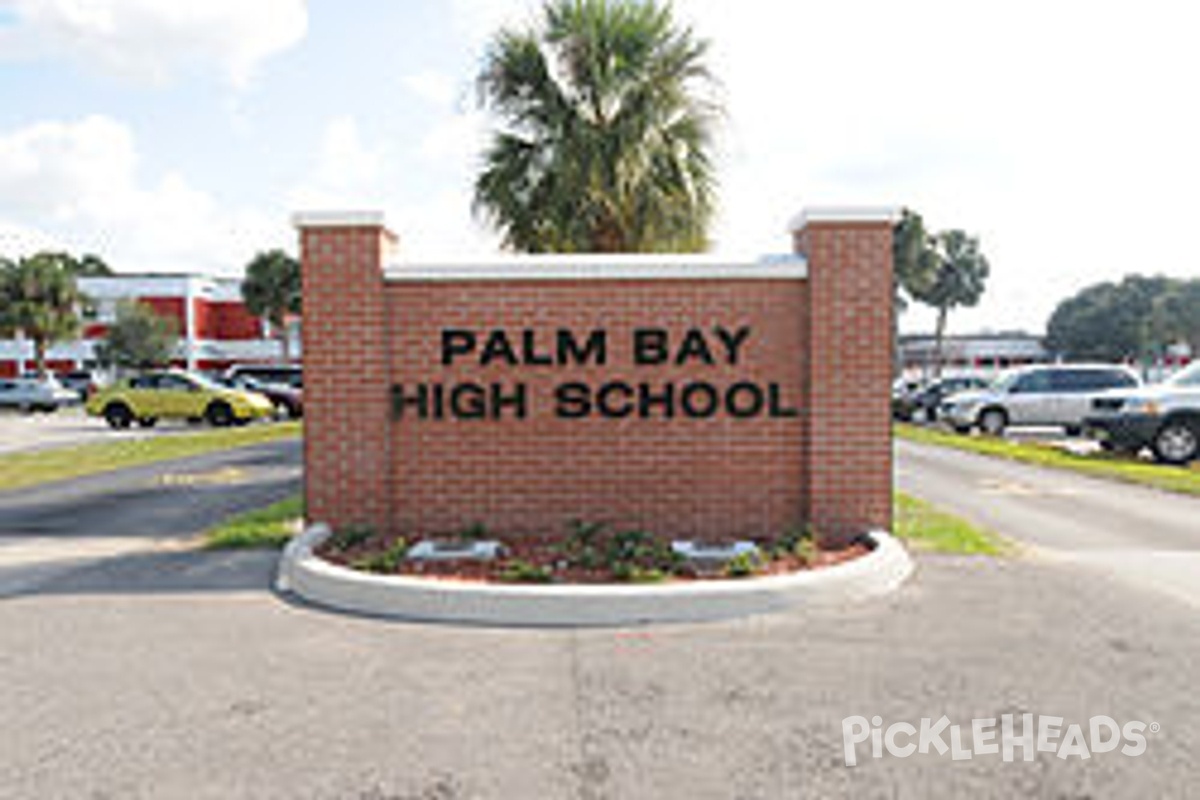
x: 337, y: 219
x: 843, y: 214
x: 598, y: 267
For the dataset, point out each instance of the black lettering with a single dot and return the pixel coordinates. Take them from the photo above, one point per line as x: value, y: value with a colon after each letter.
x: 607, y: 409
x: 775, y: 405
x: 417, y: 400
x: 456, y: 342
x: 594, y: 350
x: 515, y: 400
x: 498, y: 346
x: 572, y: 400
x: 647, y: 400
x: 710, y: 401
x: 733, y: 341
x: 650, y: 346
x: 468, y: 401
x: 529, y: 346
x: 750, y: 390
x: 694, y: 346
x: 438, y: 401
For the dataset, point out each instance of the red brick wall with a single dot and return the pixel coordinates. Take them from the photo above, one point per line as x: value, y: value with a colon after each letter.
x: 346, y: 445
x: 849, y: 475
x: 710, y: 478
x: 826, y: 341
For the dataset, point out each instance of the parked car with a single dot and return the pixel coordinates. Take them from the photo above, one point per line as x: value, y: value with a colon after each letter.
x: 1164, y: 417
x: 175, y: 394
x: 276, y: 374
x: 35, y: 394
x: 84, y: 382
x: 923, y: 402
x: 287, y: 400
x: 1058, y: 395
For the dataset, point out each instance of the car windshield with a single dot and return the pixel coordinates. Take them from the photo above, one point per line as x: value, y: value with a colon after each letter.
x: 1004, y: 381
x: 204, y: 382
x: 1188, y: 376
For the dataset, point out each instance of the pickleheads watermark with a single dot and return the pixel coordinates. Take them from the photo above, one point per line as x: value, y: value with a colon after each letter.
x: 1027, y: 734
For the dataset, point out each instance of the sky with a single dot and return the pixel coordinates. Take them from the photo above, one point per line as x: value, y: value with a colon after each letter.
x: 176, y: 136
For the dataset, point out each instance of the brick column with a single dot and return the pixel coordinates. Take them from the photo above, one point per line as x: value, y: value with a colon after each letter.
x: 848, y: 478
x: 346, y: 437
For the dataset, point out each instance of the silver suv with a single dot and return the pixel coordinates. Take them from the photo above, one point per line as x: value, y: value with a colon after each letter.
x: 1164, y: 417
x: 1059, y: 395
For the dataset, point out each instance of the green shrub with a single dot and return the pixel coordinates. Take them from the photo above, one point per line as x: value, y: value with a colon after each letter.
x: 582, y: 547
x: 351, y: 536
x: 384, y: 562
x: 518, y: 571
x: 743, y: 565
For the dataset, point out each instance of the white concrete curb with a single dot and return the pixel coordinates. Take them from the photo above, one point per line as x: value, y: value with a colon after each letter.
x: 302, y: 573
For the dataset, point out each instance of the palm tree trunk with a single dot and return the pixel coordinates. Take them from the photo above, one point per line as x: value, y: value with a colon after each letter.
x: 39, y: 355
x: 939, y: 337
x: 282, y: 333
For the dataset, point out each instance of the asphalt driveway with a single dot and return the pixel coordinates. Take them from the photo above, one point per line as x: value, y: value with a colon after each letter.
x: 170, y: 673
x: 48, y: 529
x: 1147, y: 538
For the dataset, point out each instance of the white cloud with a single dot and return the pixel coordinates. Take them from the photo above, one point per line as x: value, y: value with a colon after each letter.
x: 75, y: 184
x: 351, y: 171
x: 150, y: 40
x: 346, y: 173
x: 1056, y: 132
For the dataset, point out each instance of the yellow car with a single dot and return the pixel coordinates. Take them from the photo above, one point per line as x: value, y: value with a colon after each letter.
x: 175, y: 395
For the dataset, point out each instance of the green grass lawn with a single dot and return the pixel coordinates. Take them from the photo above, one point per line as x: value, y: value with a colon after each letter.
x: 263, y: 527
x: 925, y: 527
x: 1099, y: 465
x: 20, y: 470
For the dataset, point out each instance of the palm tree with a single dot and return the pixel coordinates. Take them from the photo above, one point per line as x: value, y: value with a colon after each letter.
x: 603, y: 145
x: 38, y: 297
x: 959, y: 280
x: 271, y: 290
x: 915, y: 263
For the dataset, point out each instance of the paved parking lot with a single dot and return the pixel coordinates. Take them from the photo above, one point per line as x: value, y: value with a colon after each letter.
x: 68, y: 426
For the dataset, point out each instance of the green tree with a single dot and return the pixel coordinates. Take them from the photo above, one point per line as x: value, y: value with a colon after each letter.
x: 958, y: 280
x: 914, y: 265
x: 139, y: 338
x: 1133, y: 319
x: 271, y: 290
x: 604, y: 140
x: 90, y: 265
x: 1177, y: 315
x: 39, y: 298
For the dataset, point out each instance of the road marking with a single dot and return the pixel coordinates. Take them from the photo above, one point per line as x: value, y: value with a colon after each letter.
x: 219, y: 477
x: 1013, y: 488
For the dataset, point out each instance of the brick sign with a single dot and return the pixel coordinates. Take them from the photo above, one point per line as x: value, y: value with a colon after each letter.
x: 685, y: 396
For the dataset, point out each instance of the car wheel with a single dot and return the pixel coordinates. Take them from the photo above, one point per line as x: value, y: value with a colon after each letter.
x: 148, y: 422
x: 1177, y: 442
x: 993, y: 422
x: 1073, y: 430
x: 118, y: 416
x: 219, y: 415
